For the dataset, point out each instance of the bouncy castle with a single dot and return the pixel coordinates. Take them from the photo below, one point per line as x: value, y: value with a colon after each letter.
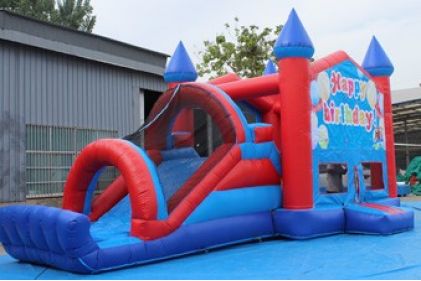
x: 305, y: 150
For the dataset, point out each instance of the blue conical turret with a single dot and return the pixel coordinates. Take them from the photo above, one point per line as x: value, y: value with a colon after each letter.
x: 180, y: 67
x: 270, y: 68
x: 376, y: 62
x: 293, y: 40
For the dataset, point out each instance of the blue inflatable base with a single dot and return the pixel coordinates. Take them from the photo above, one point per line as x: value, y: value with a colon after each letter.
x: 353, y: 256
x: 61, y: 239
x: 318, y: 222
x: 366, y: 220
x: 190, y: 238
x: 396, y: 202
x: 389, y: 218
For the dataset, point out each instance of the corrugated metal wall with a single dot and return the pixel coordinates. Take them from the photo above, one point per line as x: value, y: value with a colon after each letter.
x: 45, y: 88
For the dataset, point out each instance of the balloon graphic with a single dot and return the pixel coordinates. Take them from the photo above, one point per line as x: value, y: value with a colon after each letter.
x: 323, y: 137
x: 314, y: 92
x: 371, y: 94
x: 314, y: 130
x: 323, y: 84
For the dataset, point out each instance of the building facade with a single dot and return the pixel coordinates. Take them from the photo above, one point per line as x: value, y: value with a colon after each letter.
x: 59, y: 90
x: 407, y: 125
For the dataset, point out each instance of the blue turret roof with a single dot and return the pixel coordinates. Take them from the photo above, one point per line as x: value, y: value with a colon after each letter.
x: 180, y: 67
x: 270, y: 68
x: 376, y: 62
x: 293, y: 40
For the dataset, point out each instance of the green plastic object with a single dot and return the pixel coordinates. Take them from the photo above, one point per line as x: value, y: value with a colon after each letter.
x: 400, y: 177
x: 416, y: 189
x: 414, y: 166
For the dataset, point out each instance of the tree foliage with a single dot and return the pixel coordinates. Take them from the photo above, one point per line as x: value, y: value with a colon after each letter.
x: 40, y: 9
x: 76, y: 14
x: 242, y: 49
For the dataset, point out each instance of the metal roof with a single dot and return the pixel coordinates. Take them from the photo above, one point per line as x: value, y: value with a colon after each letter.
x: 407, y: 110
x: 40, y: 34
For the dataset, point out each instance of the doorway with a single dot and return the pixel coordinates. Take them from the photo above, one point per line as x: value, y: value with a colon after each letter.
x: 150, y: 97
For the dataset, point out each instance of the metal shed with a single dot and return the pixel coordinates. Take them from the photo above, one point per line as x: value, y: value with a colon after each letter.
x: 59, y: 90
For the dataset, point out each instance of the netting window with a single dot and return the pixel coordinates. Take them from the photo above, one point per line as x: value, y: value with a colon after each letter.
x: 51, y: 151
x: 373, y: 175
x: 333, y: 178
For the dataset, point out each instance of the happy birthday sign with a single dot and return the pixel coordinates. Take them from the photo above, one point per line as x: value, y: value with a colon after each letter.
x: 344, y: 113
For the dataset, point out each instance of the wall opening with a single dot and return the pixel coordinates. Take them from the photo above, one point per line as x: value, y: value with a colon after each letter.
x: 150, y: 98
x: 333, y: 178
x: 206, y: 133
x: 373, y: 175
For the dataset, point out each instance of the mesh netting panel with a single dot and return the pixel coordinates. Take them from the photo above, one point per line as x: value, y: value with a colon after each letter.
x: 187, y: 116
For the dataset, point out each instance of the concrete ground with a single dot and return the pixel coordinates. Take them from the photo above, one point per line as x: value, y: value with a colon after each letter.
x: 410, y: 198
x: 47, y: 201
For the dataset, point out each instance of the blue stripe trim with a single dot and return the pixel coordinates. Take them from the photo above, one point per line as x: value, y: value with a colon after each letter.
x: 237, y: 202
x: 371, y: 195
x: 179, y: 76
x: 90, y: 191
x: 162, y: 206
x: 293, y: 51
x: 266, y: 150
x: 380, y: 71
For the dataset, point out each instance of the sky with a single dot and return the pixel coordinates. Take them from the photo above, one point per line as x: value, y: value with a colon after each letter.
x: 332, y: 25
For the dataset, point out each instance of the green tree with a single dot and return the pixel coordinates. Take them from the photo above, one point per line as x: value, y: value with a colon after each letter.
x: 39, y: 9
x: 76, y: 14
x: 244, y: 50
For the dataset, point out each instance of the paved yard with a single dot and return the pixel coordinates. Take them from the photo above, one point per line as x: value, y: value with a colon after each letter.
x: 410, y: 198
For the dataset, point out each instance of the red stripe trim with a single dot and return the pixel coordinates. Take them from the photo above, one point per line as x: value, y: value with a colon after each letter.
x: 246, y: 173
x: 230, y: 77
x: 386, y: 209
x: 332, y: 60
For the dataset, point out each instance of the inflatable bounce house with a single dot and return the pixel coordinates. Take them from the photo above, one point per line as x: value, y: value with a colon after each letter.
x: 302, y: 152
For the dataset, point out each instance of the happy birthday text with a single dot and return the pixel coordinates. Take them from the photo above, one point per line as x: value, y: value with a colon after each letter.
x: 344, y: 114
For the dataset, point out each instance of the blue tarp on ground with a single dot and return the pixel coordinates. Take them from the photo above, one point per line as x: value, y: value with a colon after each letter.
x: 342, y: 256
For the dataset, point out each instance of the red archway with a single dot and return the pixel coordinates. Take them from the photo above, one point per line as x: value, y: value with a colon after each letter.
x: 133, y: 168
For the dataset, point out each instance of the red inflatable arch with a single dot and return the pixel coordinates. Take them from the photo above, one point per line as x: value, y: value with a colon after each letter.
x: 122, y: 155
